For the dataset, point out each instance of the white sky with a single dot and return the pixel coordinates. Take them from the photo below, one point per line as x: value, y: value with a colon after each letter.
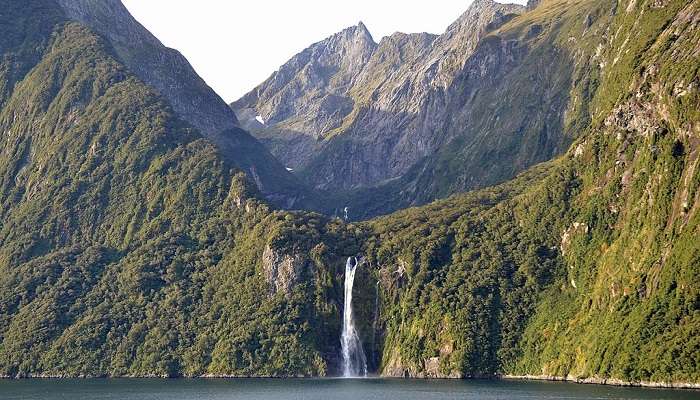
x: 235, y: 45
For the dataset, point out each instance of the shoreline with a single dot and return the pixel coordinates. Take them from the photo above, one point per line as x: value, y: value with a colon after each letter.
x: 603, y: 381
x: 541, y: 378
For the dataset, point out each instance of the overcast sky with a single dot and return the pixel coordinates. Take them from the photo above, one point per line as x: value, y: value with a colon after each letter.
x: 235, y: 45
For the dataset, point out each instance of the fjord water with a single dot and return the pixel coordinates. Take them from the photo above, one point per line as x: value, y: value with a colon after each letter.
x: 354, y: 360
x: 322, y: 389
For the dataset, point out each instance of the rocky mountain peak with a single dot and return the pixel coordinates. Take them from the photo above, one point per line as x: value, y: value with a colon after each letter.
x: 362, y: 30
x: 481, y: 13
x: 325, y: 106
x: 326, y: 70
x: 357, y: 38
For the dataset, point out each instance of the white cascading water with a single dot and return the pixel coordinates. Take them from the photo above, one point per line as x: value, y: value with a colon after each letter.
x: 354, y: 361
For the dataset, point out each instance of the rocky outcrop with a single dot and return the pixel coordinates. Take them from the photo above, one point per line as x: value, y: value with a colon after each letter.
x: 532, y: 4
x: 430, y: 368
x: 574, y: 229
x: 283, y: 271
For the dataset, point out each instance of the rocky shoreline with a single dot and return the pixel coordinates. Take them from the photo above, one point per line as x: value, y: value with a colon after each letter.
x: 551, y: 378
x: 205, y: 376
x: 603, y: 381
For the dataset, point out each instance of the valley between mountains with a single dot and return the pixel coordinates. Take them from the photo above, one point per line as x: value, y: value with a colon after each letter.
x: 522, y: 194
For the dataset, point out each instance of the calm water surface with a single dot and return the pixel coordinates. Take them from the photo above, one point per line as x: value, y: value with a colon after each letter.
x: 320, y: 389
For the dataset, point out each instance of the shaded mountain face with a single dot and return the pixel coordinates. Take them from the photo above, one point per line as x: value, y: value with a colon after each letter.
x: 406, y: 102
x: 171, y: 75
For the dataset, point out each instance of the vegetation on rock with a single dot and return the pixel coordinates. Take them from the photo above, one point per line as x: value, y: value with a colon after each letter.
x: 130, y: 245
x: 584, y: 267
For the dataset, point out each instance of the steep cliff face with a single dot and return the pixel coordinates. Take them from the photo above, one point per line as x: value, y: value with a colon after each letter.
x: 629, y: 301
x: 583, y: 268
x: 417, y: 106
x: 171, y: 75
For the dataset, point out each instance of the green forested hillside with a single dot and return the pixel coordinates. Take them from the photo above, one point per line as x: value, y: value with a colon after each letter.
x: 585, y: 267
x: 129, y: 246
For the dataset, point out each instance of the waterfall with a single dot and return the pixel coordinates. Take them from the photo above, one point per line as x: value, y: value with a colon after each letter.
x: 354, y: 361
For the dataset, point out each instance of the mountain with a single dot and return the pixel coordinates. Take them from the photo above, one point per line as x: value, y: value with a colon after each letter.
x: 171, y: 75
x: 132, y: 243
x: 583, y: 268
x: 419, y: 103
x: 310, y: 92
x: 162, y: 68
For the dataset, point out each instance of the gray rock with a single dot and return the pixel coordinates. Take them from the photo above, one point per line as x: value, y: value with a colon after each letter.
x: 399, y: 116
x: 283, y: 271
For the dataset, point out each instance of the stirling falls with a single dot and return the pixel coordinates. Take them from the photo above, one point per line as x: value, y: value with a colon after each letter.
x: 519, y: 196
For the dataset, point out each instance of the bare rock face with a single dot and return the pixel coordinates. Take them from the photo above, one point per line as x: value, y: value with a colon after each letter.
x: 283, y: 271
x: 348, y: 112
x: 416, y: 116
x: 309, y: 92
x: 532, y: 4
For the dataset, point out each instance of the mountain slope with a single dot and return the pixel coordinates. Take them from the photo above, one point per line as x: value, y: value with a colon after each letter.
x: 129, y: 245
x: 309, y: 93
x: 584, y: 268
x: 171, y: 75
x: 164, y: 69
x: 419, y: 127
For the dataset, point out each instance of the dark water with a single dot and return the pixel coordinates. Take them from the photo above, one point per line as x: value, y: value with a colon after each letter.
x: 320, y: 389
